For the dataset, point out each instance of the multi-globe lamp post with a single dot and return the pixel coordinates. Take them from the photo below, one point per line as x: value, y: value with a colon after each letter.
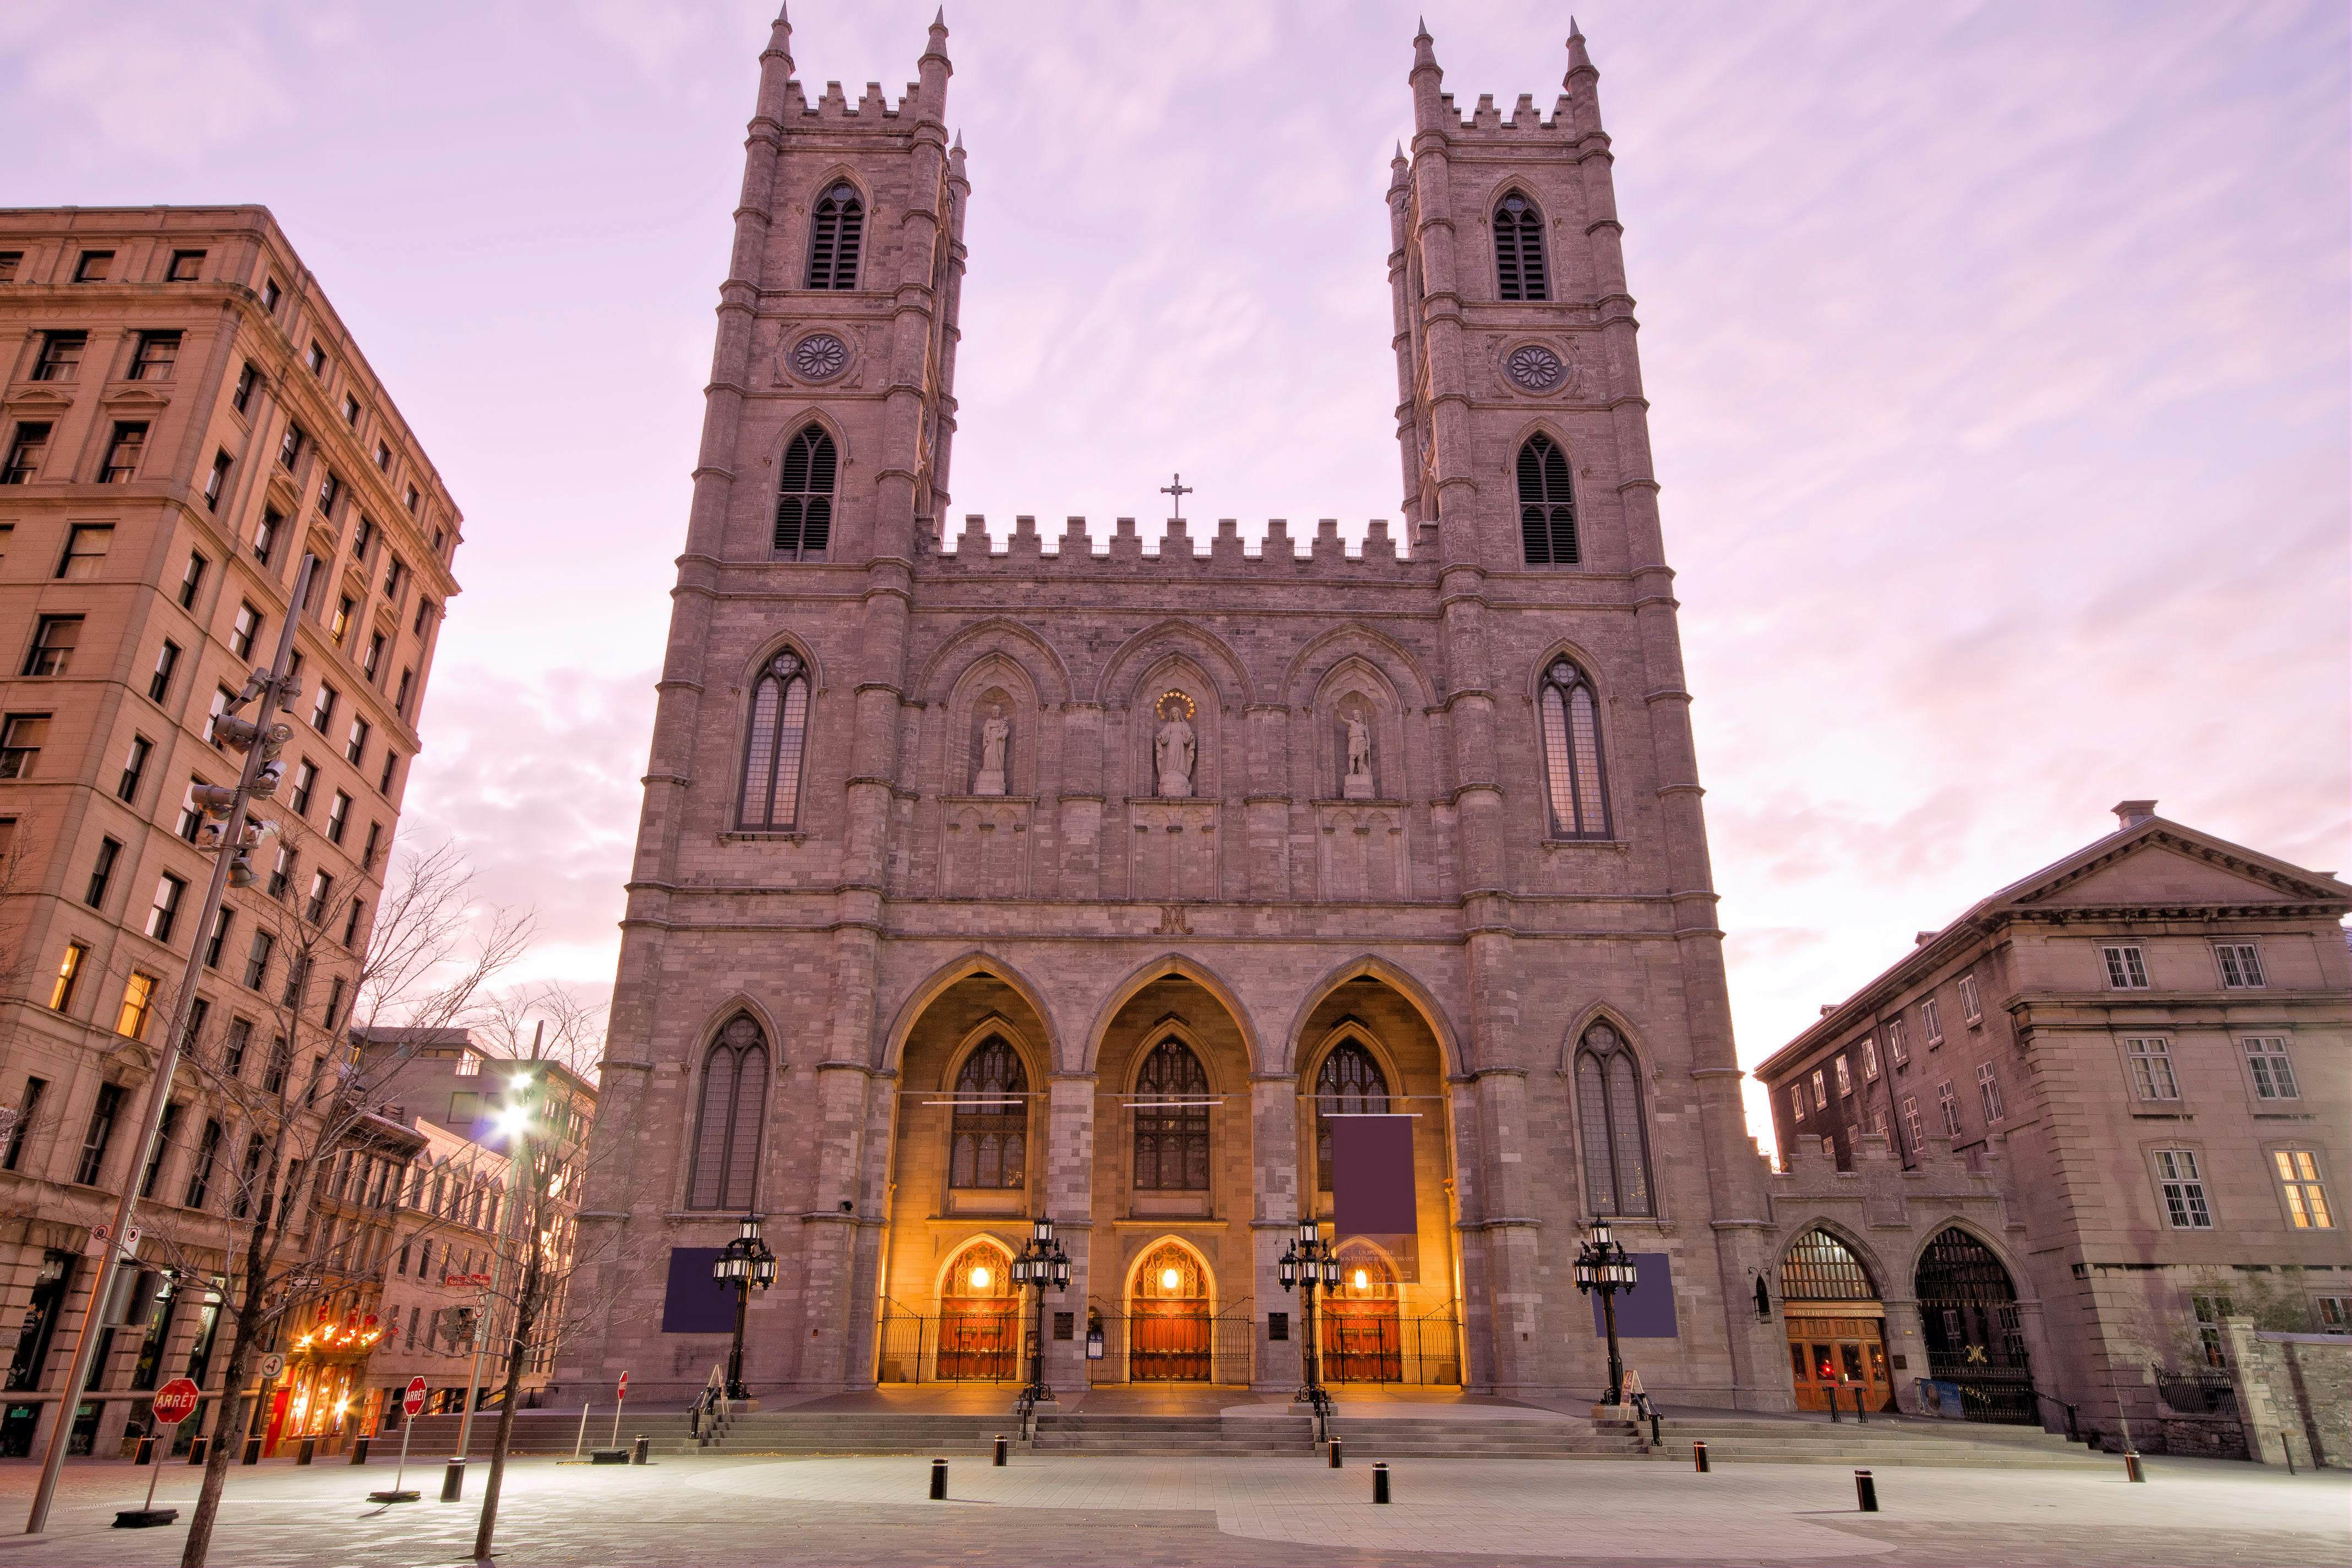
x: 1041, y: 1263
x: 1311, y: 1263
x: 1603, y: 1265
x: 743, y: 1263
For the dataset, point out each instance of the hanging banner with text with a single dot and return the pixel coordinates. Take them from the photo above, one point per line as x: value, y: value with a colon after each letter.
x: 1373, y: 1195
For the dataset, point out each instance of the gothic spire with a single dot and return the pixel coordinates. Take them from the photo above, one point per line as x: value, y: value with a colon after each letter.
x: 779, y: 37
x: 1577, y: 61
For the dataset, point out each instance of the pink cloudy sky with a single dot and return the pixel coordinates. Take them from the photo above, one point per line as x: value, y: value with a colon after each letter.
x: 1998, y: 357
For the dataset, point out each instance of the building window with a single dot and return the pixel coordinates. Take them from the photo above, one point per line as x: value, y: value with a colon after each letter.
x: 138, y: 1006
x: 61, y: 992
x: 410, y: 498
x: 1845, y: 1077
x: 2151, y: 1067
x: 289, y: 446
x: 249, y: 376
x: 281, y: 1056
x: 2307, y: 1196
x: 373, y: 659
x: 184, y: 265
x: 1520, y: 249
x: 1546, y: 504
x: 989, y: 1138
x: 772, y: 757
x: 123, y: 450
x: 265, y: 534
x: 157, y: 355
x: 330, y: 490
x: 837, y: 230
x: 355, y: 747
x: 216, y: 481
x: 190, y: 580
x: 1911, y: 1120
x: 1971, y: 1010
x: 1611, y: 1125
x: 2208, y: 1313
x: 21, y: 736
x: 1797, y: 1100
x: 316, y: 360
x: 1989, y: 1092
x: 1821, y: 1090
x: 1574, y: 779
x: 351, y: 411
x: 239, y: 1041
x: 61, y: 356
x: 102, y: 1117
x: 169, y: 892
x: 135, y: 766
x: 339, y: 623
x: 368, y: 851
x: 1931, y: 1023
x: 424, y: 615
x: 86, y: 547
x: 1950, y: 1105
x: 383, y: 457
x: 1349, y: 1083
x: 2273, y: 1074
x: 167, y: 659
x: 9, y: 262
x: 1172, y: 1121
x: 306, y: 779
x: 1869, y: 1059
x: 2183, y: 1187
x: 1899, y: 1050
x: 804, y: 488
x: 352, y: 914
x: 323, y: 889
x: 93, y: 266
x: 727, y: 1134
x: 200, y: 1174
x: 2127, y: 968
x: 401, y: 692
x: 102, y: 872
x: 25, y: 450
x: 219, y: 938
x: 2242, y: 966
x: 2333, y: 1312
x: 339, y: 810
x: 257, y: 959
x: 384, y: 778
x: 54, y: 639
x: 322, y: 707
x: 244, y: 630
x: 28, y: 1111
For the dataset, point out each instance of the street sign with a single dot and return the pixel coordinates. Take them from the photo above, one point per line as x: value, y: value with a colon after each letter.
x: 271, y: 1365
x: 625, y: 1386
x: 412, y: 1402
x: 174, y: 1401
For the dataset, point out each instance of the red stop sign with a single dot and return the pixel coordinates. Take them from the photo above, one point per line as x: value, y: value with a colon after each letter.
x: 174, y: 1401
x: 625, y: 1386
x: 412, y: 1402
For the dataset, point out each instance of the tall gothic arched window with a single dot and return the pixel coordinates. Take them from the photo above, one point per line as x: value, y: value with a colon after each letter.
x: 727, y: 1131
x: 1350, y: 1082
x: 1574, y: 780
x: 1172, y: 1121
x: 1518, y: 250
x: 836, y: 233
x: 1546, y: 504
x: 988, y: 1145
x: 1609, y: 1125
x: 804, y: 496
x: 772, y: 755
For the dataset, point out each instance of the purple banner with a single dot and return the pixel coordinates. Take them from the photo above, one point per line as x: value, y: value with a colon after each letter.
x: 1372, y: 1193
x: 695, y: 1304
x: 1647, y: 1310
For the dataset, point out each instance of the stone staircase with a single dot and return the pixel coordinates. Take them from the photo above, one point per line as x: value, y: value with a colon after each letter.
x: 1882, y: 1440
x: 1472, y: 1438
x: 833, y: 1431
x: 1243, y: 1436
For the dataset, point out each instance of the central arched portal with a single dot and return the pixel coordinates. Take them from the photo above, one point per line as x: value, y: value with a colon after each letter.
x: 1362, y: 1338
x: 1837, y: 1325
x: 1169, y: 1313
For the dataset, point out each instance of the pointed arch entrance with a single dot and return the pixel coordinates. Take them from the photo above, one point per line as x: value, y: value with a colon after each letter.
x: 1976, y: 1339
x: 1169, y: 1306
x: 978, y: 1316
x: 1837, y: 1325
x: 1363, y: 1338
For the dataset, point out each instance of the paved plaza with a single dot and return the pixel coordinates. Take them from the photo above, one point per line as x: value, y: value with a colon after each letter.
x: 1079, y: 1510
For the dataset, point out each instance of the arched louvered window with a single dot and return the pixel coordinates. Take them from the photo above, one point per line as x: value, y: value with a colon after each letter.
x: 727, y: 1131
x: 1172, y: 1121
x: 1547, y: 505
x: 836, y: 233
x: 1573, y: 776
x: 1350, y: 1082
x: 990, y: 1143
x: 1609, y: 1125
x: 1817, y: 1267
x: 804, y: 496
x: 772, y: 757
x: 1518, y: 250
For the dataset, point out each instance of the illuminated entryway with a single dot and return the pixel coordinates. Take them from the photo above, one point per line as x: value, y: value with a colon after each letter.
x: 1169, y: 1312
x: 978, y: 1316
x: 1362, y: 1338
x: 1836, y: 1322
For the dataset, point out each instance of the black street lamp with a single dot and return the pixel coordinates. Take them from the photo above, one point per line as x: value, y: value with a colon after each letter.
x: 1603, y: 1265
x: 742, y: 1263
x: 1311, y: 1263
x: 1041, y: 1263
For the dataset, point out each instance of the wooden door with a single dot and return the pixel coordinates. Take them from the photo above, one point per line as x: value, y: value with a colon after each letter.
x: 1834, y: 1357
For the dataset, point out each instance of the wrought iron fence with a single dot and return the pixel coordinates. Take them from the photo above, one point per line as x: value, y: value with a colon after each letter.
x: 1182, y: 1347
x: 1375, y: 1348
x: 959, y: 1347
x: 2204, y: 1391
x: 1990, y: 1394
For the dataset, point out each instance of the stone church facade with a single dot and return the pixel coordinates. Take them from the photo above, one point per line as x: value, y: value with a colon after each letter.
x: 979, y: 883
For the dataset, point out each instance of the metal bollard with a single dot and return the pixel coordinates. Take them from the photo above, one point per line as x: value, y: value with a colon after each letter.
x: 2132, y: 1472
x: 1835, y: 1417
x: 1865, y: 1492
x: 146, y: 1452
x: 1859, y: 1413
x: 640, y: 1450
x: 1655, y: 1440
x: 453, y: 1480
x: 1380, y: 1481
x: 307, y: 1452
x: 1699, y: 1457
x: 939, y: 1480
x: 1000, y: 1447
x: 1334, y: 1454
x: 359, y: 1448
x: 198, y: 1450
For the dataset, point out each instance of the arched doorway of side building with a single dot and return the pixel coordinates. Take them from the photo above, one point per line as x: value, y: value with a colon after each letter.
x: 1837, y: 1325
x: 1976, y: 1341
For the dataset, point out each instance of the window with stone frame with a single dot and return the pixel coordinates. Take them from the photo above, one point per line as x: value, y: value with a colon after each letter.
x: 1797, y: 1100
x: 989, y: 1135
x: 1546, y: 504
x: 2240, y: 963
x: 2306, y: 1193
x: 2127, y: 968
x: 2180, y: 1182
x: 804, y: 496
x: 1612, y: 1126
x: 1898, y: 1049
x: 1519, y: 272
x: 1989, y: 1092
x: 1911, y: 1122
x: 1950, y: 1103
x: 1349, y: 1083
x: 2267, y: 1058
x: 1971, y: 1010
x: 726, y: 1149
x: 1575, y: 778
x: 2150, y: 1059
x: 1844, y: 1076
x: 1172, y: 1121
x: 773, y: 748
x: 836, y: 235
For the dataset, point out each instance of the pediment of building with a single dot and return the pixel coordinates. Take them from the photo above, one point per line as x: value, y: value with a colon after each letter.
x: 2170, y: 867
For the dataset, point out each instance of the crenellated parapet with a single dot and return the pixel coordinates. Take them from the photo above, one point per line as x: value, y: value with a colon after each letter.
x: 1277, y: 556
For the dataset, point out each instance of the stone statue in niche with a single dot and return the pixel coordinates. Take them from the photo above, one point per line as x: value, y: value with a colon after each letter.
x: 1175, y: 748
x: 995, y: 734
x: 1357, y: 784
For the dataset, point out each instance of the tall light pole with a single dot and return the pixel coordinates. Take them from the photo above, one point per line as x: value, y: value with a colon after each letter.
x: 1310, y: 1263
x: 260, y: 741
x: 515, y: 1123
x: 1603, y: 1265
x: 744, y: 1263
x: 1041, y: 1263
